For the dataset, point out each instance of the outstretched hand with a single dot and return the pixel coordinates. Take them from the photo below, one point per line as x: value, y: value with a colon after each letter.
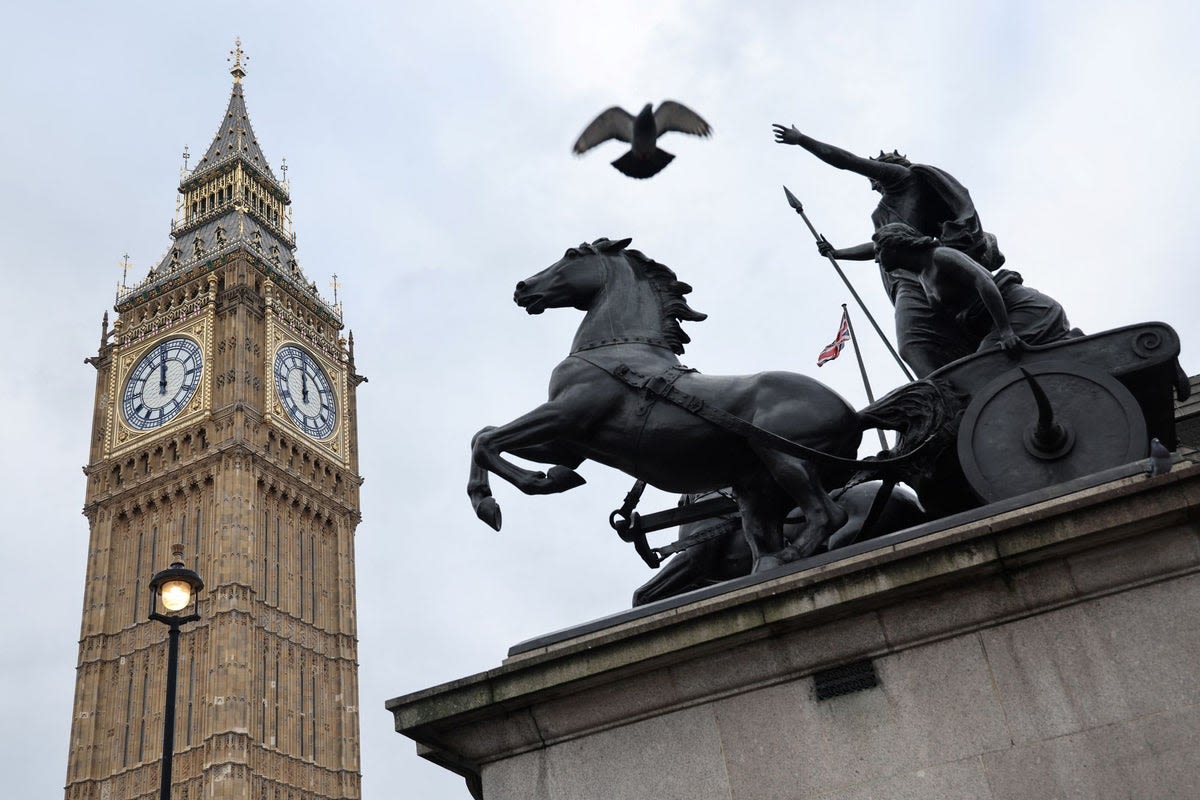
x: 785, y: 135
x: 825, y: 248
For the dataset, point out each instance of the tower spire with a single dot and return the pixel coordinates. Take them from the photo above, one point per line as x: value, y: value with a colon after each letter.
x: 231, y: 200
x: 237, y: 55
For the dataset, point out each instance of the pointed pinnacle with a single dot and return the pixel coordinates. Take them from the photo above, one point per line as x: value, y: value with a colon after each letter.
x: 237, y: 55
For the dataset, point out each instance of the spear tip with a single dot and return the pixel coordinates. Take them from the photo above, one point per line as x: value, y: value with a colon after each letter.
x: 793, y: 201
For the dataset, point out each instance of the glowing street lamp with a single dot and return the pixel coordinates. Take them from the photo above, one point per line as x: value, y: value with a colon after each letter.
x: 173, y: 602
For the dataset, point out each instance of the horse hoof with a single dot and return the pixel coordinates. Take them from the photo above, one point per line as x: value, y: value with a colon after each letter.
x: 488, y: 510
x: 563, y: 478
x: 766, y: 563
x: 804, y: 549
x: 807, y: 544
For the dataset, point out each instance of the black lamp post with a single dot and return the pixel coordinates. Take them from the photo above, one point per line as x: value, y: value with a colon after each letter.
x: 173, y: 601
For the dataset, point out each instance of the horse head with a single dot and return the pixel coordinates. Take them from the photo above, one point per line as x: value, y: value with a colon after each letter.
x: 629, y: 294
x: 570, y: 282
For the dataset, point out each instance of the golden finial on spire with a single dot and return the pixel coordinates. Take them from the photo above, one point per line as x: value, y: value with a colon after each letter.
x: 237, y: 56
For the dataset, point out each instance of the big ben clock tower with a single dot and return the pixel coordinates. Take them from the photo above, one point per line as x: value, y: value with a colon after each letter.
x: 224, y: 421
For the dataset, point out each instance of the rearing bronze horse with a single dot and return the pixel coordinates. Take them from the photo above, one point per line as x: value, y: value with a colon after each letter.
x: 634, y: 306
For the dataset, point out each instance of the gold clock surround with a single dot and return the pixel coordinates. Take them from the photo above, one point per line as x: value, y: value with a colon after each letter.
x: 288, y: 324
x: 120, y: 434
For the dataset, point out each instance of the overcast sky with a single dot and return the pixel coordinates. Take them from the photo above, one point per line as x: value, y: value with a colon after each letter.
x: 430, y: 165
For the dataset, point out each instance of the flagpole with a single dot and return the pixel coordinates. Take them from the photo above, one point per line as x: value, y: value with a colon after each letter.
x: 863, y: 370
x: 796, y: 204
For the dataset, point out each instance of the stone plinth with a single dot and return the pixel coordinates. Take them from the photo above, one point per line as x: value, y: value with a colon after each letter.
x: 1048, y: 648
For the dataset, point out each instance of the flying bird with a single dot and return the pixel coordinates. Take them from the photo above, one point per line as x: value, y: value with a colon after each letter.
x: 645, y: 157
x: 1160, y: 458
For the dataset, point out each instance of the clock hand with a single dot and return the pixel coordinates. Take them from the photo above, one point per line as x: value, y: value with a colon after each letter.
x: 304, y: 387
x: 162, y: 371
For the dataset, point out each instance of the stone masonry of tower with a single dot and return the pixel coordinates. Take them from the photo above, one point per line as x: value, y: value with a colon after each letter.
x: 224, y: 421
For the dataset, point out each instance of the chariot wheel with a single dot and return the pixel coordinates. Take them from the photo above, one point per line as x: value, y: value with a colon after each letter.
x: 1040, y: 426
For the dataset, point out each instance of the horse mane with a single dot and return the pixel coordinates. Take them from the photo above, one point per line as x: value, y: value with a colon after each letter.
x: 667, y: 286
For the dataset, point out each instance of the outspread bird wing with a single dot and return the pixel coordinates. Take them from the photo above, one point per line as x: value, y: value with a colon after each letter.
x: 613, y: 123
x: 672, y: 116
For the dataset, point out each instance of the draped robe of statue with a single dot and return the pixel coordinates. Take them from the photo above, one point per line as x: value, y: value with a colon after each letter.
x: 943, y: 209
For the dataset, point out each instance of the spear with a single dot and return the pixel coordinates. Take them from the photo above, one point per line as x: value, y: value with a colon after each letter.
x: 795, y: 203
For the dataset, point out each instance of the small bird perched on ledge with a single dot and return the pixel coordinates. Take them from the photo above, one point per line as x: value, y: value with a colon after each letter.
x: 644, y: 158
x: 1159, y: 462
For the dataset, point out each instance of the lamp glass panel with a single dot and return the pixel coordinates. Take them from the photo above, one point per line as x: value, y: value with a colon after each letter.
x: 176, y: 595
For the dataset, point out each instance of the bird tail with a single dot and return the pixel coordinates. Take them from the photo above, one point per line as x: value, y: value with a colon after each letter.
x: 637, y: 166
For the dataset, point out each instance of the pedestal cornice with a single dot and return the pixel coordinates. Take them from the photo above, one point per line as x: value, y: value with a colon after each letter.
x: 1007, y: 562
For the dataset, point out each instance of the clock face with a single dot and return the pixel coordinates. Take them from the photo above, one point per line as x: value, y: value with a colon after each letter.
x: 162, y: 383
x: 305, y: 391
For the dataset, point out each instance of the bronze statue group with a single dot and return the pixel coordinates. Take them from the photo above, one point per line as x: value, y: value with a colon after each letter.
x: 941, y: 269
x: 783, y: 445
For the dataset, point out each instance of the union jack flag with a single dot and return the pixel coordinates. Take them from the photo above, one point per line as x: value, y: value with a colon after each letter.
x: 834, y: 348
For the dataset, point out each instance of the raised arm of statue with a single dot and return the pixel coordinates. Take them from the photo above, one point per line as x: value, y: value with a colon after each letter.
x: 881, y: 171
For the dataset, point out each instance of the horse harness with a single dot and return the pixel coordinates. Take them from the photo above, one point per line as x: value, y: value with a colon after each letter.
x: 662, y: 387
x: 630, y: 526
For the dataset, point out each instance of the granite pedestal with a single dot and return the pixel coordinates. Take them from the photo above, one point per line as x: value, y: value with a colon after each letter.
x: 1044, y: 648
